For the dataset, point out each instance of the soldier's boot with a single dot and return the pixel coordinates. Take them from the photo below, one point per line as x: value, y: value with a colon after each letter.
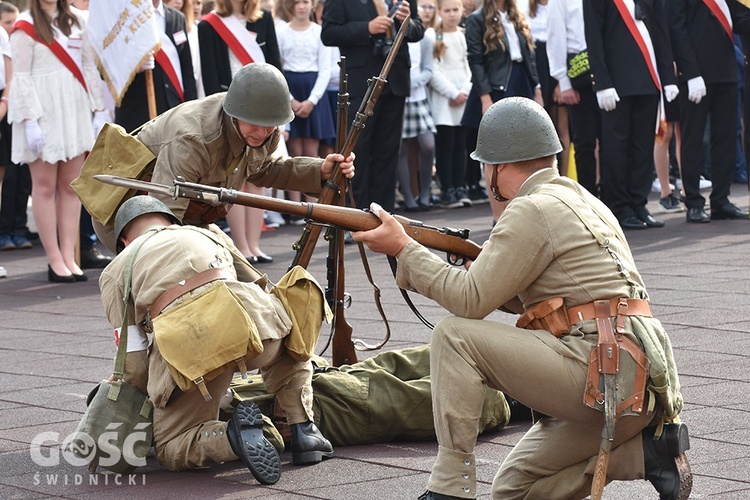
x: 245, y: 433
x: 431, y: 495
x: 308, y: 444
x: 666, y: 465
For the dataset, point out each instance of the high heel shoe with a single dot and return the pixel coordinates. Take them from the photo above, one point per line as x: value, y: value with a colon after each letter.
x: 263, y: 259
x: 53, y: 277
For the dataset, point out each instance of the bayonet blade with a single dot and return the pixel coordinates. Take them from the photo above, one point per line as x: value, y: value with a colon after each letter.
x: 136, y: 184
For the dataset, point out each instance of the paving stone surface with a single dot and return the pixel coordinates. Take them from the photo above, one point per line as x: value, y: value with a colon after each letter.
x: 55, y: 345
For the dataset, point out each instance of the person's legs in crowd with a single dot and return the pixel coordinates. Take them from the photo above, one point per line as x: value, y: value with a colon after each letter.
x: 91, y: 256
x: 16, y: 188
x: 426, y: 162
x: 403, y: 177
x: 246, y: 225
x: 667, y: 199
x: 723, y: 151
x: 586, y: 123
x: 56, y: 210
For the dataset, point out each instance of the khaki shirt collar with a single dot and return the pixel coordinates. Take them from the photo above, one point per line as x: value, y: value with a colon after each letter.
x: 236, y: 144
x: 536, y: 179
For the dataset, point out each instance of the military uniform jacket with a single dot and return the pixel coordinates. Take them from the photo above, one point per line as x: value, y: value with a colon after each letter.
x: 616, y: 61
x: 173, y: 254
x: 198, y: 142
x: 539, y: 249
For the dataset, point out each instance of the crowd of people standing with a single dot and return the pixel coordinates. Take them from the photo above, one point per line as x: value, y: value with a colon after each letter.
x: 620, y: 80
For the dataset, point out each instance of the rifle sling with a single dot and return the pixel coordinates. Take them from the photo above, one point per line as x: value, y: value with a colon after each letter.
x: 407, y: 298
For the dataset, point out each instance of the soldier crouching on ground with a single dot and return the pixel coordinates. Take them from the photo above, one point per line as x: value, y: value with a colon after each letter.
x: 177, y: 273
x: 562, y: 253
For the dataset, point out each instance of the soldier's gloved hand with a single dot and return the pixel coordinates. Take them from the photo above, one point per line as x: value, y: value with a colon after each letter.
x: 147, y: 64
x: 607, y: 98
x: 696, y: 89
x: 100, y: 118
x: 34, y: 137
x: 670, y: 92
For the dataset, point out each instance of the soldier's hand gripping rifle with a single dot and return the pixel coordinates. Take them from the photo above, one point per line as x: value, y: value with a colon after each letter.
x: 454, y: 242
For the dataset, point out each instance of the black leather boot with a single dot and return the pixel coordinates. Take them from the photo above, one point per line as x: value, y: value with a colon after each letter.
x: 308, y: 444
x: 245, y: 433
x: 666, y: 465
x: 431, y: 495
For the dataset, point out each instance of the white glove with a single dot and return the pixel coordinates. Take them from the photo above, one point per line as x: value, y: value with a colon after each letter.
x: 607, y: 98
x: 670, y: 92
x: 34, y: 137
x: 100, y: 118
x: 148, y: 64
x: 696, y: 89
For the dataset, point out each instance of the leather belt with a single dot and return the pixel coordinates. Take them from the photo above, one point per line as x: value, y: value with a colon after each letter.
x: 188, y: 285
x: 617, y: 307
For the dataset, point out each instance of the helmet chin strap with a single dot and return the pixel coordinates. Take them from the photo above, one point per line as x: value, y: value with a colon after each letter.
x: 237, y: 129
x: 493, y: 187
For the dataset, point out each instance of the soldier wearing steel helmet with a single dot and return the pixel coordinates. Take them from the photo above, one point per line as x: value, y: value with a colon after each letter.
x: 172, y: 267
x: 558, y: 257
x: 227, y: 139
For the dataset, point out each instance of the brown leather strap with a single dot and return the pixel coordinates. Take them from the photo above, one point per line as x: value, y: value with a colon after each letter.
x: 609, y: 352
x: 188, y: 285
x: 617, y: 307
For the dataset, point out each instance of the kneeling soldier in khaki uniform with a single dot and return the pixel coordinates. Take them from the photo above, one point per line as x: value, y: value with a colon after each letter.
x: 207, y: 323
x: 561, y: 252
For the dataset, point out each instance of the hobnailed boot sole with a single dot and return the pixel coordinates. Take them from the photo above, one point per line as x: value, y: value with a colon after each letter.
x: 258, y: 454
x: 678, y: 440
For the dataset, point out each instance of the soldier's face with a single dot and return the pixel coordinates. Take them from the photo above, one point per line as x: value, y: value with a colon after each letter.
x: 254, y: 135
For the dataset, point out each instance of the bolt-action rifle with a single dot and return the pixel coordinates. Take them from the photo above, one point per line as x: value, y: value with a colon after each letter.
x: 454, y: 242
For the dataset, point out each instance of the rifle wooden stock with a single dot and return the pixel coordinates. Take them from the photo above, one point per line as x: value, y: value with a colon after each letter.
x: 453, y: 241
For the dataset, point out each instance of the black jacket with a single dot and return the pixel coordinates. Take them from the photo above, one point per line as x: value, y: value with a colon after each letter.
x: 133, y: 110
x: 215, y: 70
x: 491, y: 70
x: 701, y: 46
x: 345, y: 25
x: 614, y: 56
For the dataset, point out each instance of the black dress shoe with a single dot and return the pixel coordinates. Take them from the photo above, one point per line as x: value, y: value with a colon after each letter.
x: 667, y: 468
x: 92, y: 258
x: 697, y: 215
x: 424, y: 207
x: 415, y: 208
x: 80, y: 277
x: 308, y: 444
x: 646, y: 217
x: 633, y: 222
x: 727, y: 211
x: 431, y: 495
x: 245, y: 434
x: 263, y: 259
x: 53, y: 277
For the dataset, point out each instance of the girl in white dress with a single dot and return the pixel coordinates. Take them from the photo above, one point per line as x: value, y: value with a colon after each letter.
x: 51, y: 112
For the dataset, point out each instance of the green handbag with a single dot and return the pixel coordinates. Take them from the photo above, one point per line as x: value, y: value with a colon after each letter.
x: 116, y: 431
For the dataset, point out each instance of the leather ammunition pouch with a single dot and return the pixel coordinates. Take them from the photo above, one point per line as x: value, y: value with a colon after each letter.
x: 199, y: 213
x: 549, y: 315
x: 615, y: 354
x: 204, y: 333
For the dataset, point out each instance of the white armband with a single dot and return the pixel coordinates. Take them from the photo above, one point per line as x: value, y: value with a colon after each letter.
x: 137, y: 340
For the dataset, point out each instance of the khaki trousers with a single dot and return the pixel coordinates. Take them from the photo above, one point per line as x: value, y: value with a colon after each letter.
x: 556, y: 458
x: 187, y: 433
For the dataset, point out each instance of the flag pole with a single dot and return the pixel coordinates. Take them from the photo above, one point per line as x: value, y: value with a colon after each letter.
x: 150, y: 95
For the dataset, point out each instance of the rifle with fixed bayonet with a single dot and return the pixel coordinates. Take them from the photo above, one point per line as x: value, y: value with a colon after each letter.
x: 454, y: 242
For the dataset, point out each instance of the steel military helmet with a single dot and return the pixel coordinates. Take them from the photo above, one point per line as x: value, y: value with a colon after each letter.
x: 135, y: 207
x: 259, y: 95
x: 515, y: 129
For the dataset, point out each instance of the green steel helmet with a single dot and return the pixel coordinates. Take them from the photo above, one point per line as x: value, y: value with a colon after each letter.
x: 259, y: 95
x: 135, y: 207
x: 515, y: 129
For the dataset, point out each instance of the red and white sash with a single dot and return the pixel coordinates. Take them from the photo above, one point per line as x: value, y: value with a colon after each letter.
x: 234, y: 33
x: 720, y: 9
x: 169, y: 61
x: 69, y: 52
x: 641, y: 35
